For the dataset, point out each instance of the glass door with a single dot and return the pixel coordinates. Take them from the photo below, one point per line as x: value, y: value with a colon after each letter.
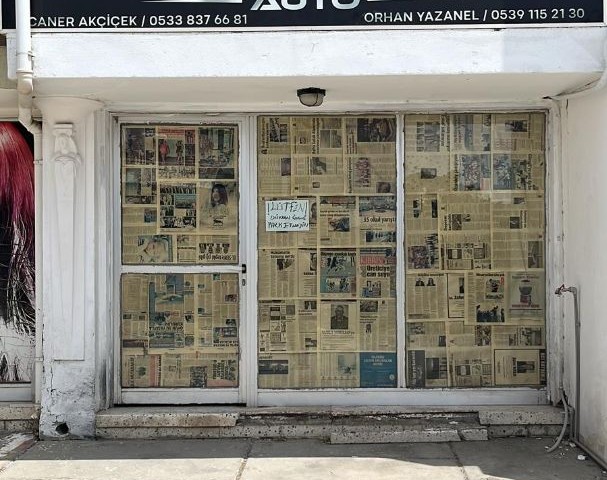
x: 181, y: 263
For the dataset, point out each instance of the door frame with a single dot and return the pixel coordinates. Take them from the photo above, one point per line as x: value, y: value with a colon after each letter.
x: 178, y: 395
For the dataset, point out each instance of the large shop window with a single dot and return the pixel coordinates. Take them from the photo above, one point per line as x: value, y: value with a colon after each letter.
x: 179, y: 208
x: 327, y: 292
x: 474, y: 290
x: 475, y: 283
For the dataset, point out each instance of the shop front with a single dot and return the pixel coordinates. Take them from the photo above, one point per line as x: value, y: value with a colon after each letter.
x: 208, y: 239
x: 354, y: 258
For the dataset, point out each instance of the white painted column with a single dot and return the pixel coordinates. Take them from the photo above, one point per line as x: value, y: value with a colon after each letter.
x: 69, y: 249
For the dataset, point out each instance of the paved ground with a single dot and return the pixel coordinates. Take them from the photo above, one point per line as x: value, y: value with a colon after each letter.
x: 506, y: 459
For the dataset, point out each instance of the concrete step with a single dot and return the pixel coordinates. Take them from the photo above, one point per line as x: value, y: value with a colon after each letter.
x: 18, y: 417
x: 334, y: 424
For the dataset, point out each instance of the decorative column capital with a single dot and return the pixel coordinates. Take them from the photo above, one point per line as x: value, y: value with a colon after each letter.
x: 65, y: 150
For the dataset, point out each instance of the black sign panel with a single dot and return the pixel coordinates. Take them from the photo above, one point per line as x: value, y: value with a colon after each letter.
x: 314, y: 14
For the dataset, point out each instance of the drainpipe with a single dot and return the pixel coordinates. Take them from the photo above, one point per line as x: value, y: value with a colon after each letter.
x: 25, y: 89
x: 576, y: 411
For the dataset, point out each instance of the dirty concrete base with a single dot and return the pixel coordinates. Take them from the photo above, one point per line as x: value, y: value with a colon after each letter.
x: 335, y: 424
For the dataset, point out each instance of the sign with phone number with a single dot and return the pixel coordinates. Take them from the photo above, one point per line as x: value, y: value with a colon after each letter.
x: 319, y: 14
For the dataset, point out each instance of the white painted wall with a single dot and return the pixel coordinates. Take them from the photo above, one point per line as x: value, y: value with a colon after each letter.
x: 260, y: 71
x: 585, y: 234
x: 72, y: 371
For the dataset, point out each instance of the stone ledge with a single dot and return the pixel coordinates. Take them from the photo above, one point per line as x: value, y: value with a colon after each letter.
x: 339, y: 424
x: 521, y: 415
x: 166, y: 420
x: 18, y: 411
x: 474, y: 434
x: 404, y: 436
x: 504, y: 431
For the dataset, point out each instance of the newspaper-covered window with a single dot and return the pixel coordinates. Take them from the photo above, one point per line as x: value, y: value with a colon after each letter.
x: 475, y: 226
x: 327, y: 252
x: 179, y: 194
x: 179, y: 201
x: 180, y: 330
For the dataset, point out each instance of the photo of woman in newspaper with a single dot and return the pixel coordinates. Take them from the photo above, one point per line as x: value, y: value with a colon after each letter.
x: 219, y: 208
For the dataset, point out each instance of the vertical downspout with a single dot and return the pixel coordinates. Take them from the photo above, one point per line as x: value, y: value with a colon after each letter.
x: 25, y: 89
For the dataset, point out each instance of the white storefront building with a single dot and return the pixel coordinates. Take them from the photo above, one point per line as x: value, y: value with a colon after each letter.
x: 449, y: 183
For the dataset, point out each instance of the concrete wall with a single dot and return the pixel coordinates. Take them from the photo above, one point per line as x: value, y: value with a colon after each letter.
x: 585, y: 231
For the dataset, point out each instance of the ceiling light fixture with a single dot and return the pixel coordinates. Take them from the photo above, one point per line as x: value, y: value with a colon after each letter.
x: 311, y: 96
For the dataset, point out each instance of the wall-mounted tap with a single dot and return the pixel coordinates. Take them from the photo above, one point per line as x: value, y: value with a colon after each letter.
x: 562, y: 289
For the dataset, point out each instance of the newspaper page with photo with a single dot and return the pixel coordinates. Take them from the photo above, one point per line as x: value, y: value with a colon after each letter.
x: 520, y: 367
x: 176, y: 153
x: 456, y: 295
x: 277, y: 274
x: 518, y: 336
x: 339, y: 370
x: 337, y: 220
x: 338, y: 273
x: 370, y: 155
x: 470, y: 367
x: 518, y: 171
x: 427, y: 134
x: 218, y: 147
x: 423, y: 251
x: 206, y: 249
x: 471, y: 132
x: 466, y: 251
x: 423, y: 335
x: 139, y: 145
x: 425, y: 295
x: 338, y: 326
x: 470, y: 171
x: 464, y: 212
x: 518, y: 211
x: 288, y: 370
x: 377, y: 220
x: 273, y: 136
x: 526, y: 296
x: 377, y: 329
x: 377, y: 267
x: 485, y: 299
x: 427, y: 173
x: 427, y: 153
x: 519, y: 132
x: 427, y: 368
x: 421, y: 212
x: 317, y: 174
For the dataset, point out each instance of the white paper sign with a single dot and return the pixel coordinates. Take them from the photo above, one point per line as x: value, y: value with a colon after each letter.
x: 287, y: 215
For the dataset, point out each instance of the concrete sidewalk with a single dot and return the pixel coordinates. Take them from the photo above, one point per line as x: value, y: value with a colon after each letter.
x: 504, y: 459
